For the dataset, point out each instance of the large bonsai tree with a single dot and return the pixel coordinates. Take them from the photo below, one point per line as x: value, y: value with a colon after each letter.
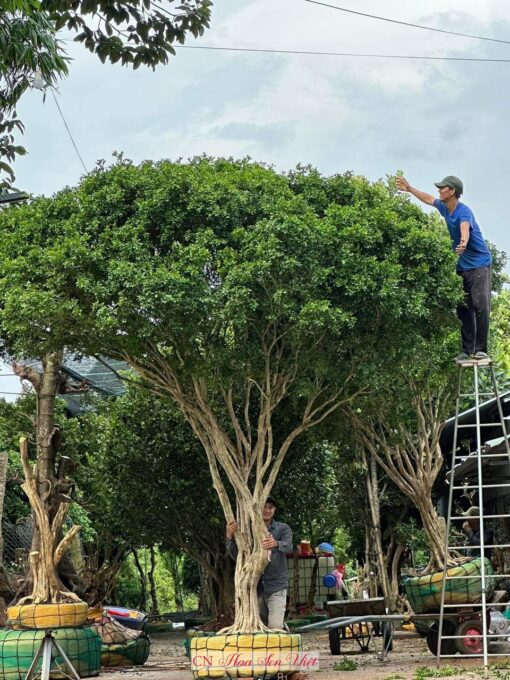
x: 237, y: 292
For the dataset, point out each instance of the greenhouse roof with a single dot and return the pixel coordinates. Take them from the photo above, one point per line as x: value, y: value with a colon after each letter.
x: 101, y: 374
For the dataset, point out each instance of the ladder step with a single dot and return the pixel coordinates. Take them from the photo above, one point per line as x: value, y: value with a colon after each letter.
x: 473, y: 656
x: 463, y: 519
x: 472, y: 606
x: 485, y: 456
x: 470, y: 363
x: 475, y: 635
x: 480, y: 394
x: 482, y: 486
x: 472, y: 425
x: 487, y: 545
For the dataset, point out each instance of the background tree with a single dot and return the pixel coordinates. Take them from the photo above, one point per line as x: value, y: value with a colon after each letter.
x: 369, y: 510
x: 306, y: 492
x: 500, y: 334
x: 43, y: 580
x: 400, y: 431
x: 237, y: 292
x: 47, y: 484
x: 134, y: 32
x: 148, y: 457
x: 137, y: 32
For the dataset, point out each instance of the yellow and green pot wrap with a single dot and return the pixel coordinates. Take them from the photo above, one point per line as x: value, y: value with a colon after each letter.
x: 19, y: 647
x: 130, y: 653
x: 243, y: 655
x: 46, y: 616
x: 424, y: 592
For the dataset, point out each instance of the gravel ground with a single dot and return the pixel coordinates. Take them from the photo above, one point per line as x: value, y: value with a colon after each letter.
x: 167, y: 661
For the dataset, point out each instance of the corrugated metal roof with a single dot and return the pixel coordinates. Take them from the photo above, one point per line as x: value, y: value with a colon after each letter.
x: 13, y: 197
x: 488, y: 414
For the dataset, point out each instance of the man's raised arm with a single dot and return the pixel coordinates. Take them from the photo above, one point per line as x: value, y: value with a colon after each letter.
x: 403, y: 185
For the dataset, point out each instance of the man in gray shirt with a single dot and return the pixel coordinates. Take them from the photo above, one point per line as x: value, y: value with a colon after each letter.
x: 272, y: 587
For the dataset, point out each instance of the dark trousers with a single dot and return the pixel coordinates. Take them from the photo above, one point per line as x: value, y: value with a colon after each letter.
x: 474, y: 313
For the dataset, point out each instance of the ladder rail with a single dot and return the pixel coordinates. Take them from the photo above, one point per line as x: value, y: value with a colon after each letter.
x: 479, y: 486
x: 448, y: 516
x: 485, y: 641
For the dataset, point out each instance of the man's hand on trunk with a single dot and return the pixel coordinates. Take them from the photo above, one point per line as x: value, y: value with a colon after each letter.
x: 269, y: 542
x: 231, y: 529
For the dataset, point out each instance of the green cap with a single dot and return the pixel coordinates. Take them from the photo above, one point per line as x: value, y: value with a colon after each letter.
x: 473, y: 511
x: 451, y: 181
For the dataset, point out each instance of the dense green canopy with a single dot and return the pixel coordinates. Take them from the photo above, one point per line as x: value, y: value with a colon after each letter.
x: 200, y: 259
x: 241, y: 293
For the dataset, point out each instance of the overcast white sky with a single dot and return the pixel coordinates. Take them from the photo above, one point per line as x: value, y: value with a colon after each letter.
x: 369, y: 116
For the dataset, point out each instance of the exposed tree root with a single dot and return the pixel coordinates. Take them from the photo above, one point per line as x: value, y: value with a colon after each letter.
x: 47, y: 587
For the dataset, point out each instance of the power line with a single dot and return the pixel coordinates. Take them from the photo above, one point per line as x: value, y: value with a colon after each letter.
x: 406, y: 23
x: 343, y: 54
x: 68, y: 131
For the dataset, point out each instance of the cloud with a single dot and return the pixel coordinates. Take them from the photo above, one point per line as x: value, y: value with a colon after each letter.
x: 271, y: 136
x: 371, y: 116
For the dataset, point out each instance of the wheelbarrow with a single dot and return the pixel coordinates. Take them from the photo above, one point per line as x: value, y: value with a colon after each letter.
x: 360, y: 632
x: 462, y: 628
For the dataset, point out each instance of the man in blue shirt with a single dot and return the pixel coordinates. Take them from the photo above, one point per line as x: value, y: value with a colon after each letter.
x: 474, y: 262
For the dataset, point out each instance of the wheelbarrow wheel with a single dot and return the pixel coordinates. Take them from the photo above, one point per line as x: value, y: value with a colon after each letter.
x: 362, y: 638
x: 470, y: 642
x: 447, y: 646
x: 387, y: 636
x: 334, y: 641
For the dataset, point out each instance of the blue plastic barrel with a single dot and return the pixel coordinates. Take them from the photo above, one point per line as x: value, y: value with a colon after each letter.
x: 329, y: 581
x: 326, y: 547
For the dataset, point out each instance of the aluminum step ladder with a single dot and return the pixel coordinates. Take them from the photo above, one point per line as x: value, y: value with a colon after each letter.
x: 480, y: 369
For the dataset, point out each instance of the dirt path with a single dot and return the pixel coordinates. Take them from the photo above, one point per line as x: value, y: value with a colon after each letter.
x: 167, y: 662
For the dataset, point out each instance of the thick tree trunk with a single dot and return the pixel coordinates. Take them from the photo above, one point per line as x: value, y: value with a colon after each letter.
x: 152, y: 583
x: 4, y: 461
x: 313, y: 585
x: 224, y: 580
x: 46, y: 433
x: 47, y: 487
x: 246, y: 617
x: 395, y: 567
x: 250, y: 564
x: 368, y: 582
x: 46, y: 584
x: 435, y: 528
x: 375, y: 513
x: 143, y: 582
x: 173, y: 562
x: 207, y: 599
x: 48, y: 441
x: 294, y: 593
